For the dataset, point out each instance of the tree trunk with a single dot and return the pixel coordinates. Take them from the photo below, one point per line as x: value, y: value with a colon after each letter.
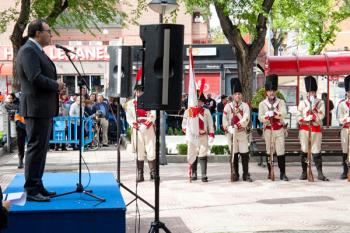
x: 17, y: 38
x: 245, y: 74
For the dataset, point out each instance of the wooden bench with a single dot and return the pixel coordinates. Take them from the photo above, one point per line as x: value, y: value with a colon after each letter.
x: 331, y: 142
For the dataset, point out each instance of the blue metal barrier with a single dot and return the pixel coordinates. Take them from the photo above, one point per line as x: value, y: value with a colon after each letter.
x: 62, y: 130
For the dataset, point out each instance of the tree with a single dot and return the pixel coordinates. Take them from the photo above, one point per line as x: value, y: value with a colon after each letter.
x: 217, y: 36
x: 237, y: 18
x: 316, y: 21
x: 319, y: 22
x: 81, y: 14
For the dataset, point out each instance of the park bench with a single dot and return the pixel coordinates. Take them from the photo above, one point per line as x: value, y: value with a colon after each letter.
x: 331, y: 142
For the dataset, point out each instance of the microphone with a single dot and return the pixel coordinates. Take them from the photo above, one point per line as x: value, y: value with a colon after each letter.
x: 64, y: 49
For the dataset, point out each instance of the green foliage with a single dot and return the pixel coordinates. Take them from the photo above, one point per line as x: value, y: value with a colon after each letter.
x: 170, y: 131
x: 128, y: 133
x: 182, y: 149
x: 260, y: 95
x: 316, y: 21
x: 81, y: 14
x: 217, y: 36
x: 219, y: 149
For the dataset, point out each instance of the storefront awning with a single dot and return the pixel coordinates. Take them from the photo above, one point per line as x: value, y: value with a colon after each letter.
x: 6, y: 69
x: 327, y: 64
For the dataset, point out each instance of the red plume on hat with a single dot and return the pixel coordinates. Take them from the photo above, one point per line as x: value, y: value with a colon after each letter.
x: 139, y: 74
x: 201, y: 88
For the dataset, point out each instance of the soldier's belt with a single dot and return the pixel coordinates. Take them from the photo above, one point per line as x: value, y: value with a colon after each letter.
x: 274, y: 127
x: 314, y: 128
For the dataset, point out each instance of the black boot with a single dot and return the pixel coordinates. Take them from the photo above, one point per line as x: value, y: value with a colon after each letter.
x: 303, y: 159
x: 282, y: 166
x: 194, y: 169
x: 268, y: 166
x: 318, y: 163
x: 245, y: 165
x: 234, y: 164
x: 203, y: 162
x: 20, y: 161
x: 344, y: 175
x: 152, y: 169
x: 140, y: 177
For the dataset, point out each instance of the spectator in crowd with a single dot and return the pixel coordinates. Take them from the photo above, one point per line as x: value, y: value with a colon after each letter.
x: 2, y: 97
x: 328, y: 111
x: 88, y: 108
x: 93, y: 98
x: 63, y: 110
x: 220, y: 109
x: 211, y: 104
x: 74, y: 111
x: 21, y: 137
x: 84, y: 93
x: 4, y: 208
x: 103, y: 107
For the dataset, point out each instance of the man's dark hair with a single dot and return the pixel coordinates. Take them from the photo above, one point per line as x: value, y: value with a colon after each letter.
x: 35, y: 26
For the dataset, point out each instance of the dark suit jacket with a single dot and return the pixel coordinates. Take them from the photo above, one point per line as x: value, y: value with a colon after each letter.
x: 3, y: 214
x: 37, y: 74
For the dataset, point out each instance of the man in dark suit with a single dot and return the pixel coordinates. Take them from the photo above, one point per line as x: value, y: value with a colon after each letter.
x: 38, y: 104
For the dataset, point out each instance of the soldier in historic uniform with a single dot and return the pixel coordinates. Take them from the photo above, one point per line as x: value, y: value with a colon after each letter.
x: 344, y: 120
x: 200, y: 149
x: 272, y: 112
x: 311, y: 110
x: 235, y: 120
x: 143, y: 136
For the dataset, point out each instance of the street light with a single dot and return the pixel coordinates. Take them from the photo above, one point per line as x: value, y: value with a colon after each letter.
x: 162, y: 7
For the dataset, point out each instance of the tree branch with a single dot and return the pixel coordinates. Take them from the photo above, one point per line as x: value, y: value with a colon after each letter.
x: 20, y: 25
x: 261, y: 29
x: 231, y: 32
x: 59, y: 7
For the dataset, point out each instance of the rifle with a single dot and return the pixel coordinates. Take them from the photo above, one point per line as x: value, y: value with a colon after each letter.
x: 272, y: 174
x: 310, y: 176
x: 233, y: 171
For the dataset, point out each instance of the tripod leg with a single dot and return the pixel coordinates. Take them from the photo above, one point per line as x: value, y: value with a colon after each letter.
x: 94, y: 196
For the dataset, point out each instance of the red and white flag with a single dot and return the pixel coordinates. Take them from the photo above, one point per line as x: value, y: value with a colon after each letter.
x: 192, y: 127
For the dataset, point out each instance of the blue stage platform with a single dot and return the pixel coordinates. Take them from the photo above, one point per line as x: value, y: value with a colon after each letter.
x: 76, y: 212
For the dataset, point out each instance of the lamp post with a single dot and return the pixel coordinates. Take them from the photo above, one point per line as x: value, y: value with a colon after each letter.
x: 162, y: 7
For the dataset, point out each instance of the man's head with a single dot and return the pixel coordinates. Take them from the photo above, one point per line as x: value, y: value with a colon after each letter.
x: 271, y: 85
x: 224, y: 99
x: 138, y: 90
x: 40, y: 31
x: 100, y: 98
x: 209, y: 96
x: 271, y: 94
x: 237, y: 96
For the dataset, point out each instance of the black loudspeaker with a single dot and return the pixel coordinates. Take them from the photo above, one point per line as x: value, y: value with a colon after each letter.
x: 163, y: 66
x: 126, y: 71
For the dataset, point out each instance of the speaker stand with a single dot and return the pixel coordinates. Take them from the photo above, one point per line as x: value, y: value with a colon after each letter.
x: 156, y: 224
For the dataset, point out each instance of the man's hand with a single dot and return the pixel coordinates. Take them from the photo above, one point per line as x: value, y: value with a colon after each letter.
x: 6, y: 204
x: 308, y: 118
x: 142, y: 128
x: 61, y: 85
x: 231, y: 129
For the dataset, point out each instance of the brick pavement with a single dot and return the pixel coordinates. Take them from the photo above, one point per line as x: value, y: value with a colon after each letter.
x: 219, y: 206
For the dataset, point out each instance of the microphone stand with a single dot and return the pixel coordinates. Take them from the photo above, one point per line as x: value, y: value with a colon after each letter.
x: 80, y: 188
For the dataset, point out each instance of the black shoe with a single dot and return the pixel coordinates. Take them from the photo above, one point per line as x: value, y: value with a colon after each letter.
x: 20, y: 165
x: 46, y: 193
x: 38, y: 198
x: 204, y: 179
x: 303, y: 176
x: 343, y: 176
x: 194, y: 176
x: 248, y: 179
x: 284, y: 177
x: 105, y: 145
